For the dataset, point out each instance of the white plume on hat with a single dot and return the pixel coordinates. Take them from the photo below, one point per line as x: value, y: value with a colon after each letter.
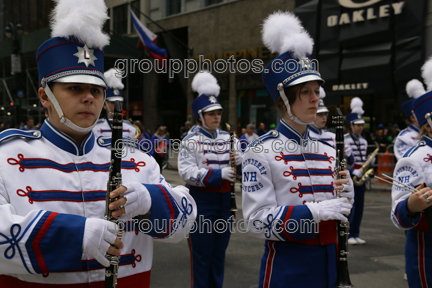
x: 414, y: 88
x: 283, y: 31
x: 427, y: 73
x: 205, y: 83
x: 322, y: 93
x: 357, y: 106
x: 112, y: 80
x: 82, y: 19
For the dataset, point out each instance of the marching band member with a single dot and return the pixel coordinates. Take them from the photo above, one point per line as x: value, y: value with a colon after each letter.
x: 316, y: 130
x: 114, y: 92
x: 358, y: 145
x: 205, y: 169
x: 407, y: 138
x: 414, y: 169
x: 53, y: 182
x: 287, y: 176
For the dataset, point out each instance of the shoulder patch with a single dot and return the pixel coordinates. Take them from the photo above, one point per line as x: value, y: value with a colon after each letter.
x: 414, y: 148
x: 10, y: 134
x: 269, y: 135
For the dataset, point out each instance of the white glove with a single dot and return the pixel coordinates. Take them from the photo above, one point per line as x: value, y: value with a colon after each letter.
x: 138, y: 200
x: 358, y: 173
x: 333, y: 209
x: 238, y: 158
x: 98, y: 235
x: 348, y: 191
x: 228, y: 174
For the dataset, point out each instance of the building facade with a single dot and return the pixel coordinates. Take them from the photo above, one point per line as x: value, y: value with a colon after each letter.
x: 368, y: 49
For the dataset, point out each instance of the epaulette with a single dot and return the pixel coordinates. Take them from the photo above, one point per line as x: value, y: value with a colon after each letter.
x: 105, y: 141
x: 15, y: 133
x: 190, y: 135
x: 346, y: 135
x: 101, y: 120
x: 414, y: 148
x: 404, y: 131
x: 268, y: 135
x: 223, y: 132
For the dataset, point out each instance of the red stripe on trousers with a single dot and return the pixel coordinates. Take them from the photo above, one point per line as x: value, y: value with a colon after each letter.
x: 269, y: 265
x: 141, y: 280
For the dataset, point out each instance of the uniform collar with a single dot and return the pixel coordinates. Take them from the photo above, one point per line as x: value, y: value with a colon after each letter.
x: 413, y: 127
x: 291, y: 133
x: 65, y: 142
x: 354, y: 137
x: 314, y: 130
x: 208, y: 134
x: 427, y: 139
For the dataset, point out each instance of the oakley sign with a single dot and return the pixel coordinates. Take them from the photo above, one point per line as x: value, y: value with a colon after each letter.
x: 363, y: 15
x: 351, y: 4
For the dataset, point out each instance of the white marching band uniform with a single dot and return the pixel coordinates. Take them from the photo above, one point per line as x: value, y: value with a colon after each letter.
x: 278, y: 187
x: 406, y: 139
x: 414, y: 169
x: 42, y: 172
x: 53, y: 191
x: 103, y: 128
x: 199, y: 165
x: 324, y: 135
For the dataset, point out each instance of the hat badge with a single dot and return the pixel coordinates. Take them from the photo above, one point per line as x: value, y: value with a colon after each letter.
x: 212, y: 99
x: 116, y: 92
x: 306, y: 63
x: 358, y: 116
x: 85, y: 55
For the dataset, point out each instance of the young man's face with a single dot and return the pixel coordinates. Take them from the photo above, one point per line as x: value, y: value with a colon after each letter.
x: 357, y: 129
x: 81, y: 103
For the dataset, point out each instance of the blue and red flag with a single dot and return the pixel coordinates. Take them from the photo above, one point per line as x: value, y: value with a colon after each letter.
x: 148, y: 38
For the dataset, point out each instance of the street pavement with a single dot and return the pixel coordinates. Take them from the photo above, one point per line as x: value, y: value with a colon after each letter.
x: 378, y: 263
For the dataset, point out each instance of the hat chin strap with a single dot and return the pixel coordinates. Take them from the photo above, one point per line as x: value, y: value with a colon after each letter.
x: 62, y: 117
x: 288, y: 107
x: 202, y: 120
x: 428, y: 119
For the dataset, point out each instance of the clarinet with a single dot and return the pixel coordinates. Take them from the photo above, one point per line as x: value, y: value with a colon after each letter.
x: 343, y: 279
x: 114, y: 181
x: 233, y: 165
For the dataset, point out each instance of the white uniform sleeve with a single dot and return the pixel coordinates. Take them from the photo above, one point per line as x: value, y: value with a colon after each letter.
x: 31, y: 244
x: 409, y: 172
x: 188, y: 168
x: 265, y: 218
x: 400, y: 147
x: 173, y: 210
